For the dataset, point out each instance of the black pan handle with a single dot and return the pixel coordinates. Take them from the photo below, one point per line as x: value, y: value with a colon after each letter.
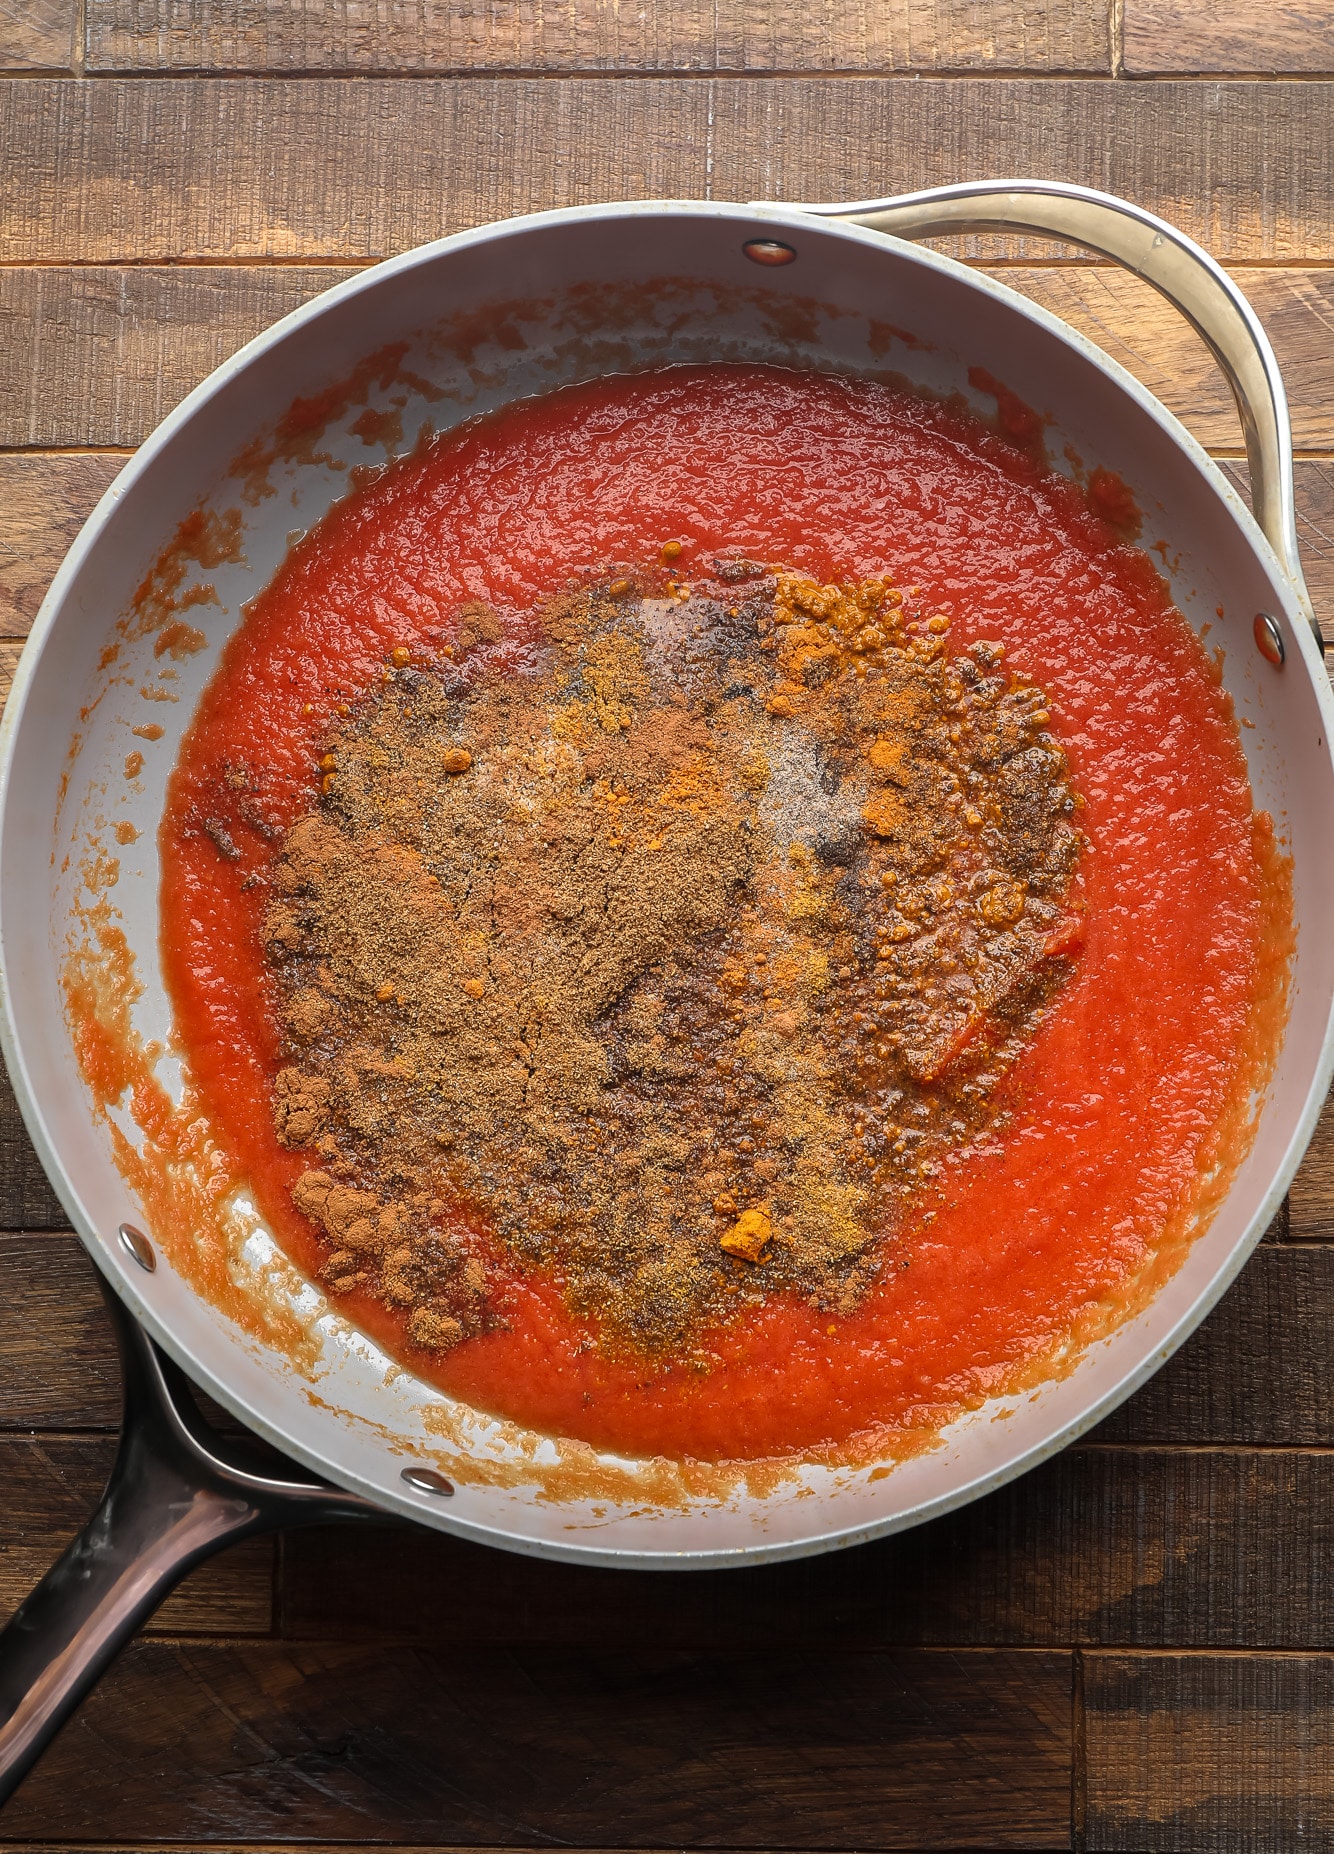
x: 177, y: 1493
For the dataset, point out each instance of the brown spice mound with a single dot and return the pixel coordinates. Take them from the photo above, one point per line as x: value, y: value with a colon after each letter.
x: 671, y: 951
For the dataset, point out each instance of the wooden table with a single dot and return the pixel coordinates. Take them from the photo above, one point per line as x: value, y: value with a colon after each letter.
x: 1130, y: 1648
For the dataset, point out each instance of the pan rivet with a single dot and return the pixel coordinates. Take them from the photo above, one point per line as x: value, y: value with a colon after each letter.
x: 426, y: 1480
x: 768, y: 251
x: 1269, y: 639
x: 138, y: 1245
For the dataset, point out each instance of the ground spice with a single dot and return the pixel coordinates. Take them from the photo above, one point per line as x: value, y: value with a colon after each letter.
x: 679, y: 959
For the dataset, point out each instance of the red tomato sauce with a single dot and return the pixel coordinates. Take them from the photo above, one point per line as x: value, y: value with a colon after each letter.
x: 1115, y: 1102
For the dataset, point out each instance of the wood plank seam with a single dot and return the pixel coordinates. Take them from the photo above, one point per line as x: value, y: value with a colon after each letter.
x: 1084, y: 1652
x: 646, y: 73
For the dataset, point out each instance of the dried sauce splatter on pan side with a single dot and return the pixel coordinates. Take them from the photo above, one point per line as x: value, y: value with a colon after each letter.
x: 683, y: 957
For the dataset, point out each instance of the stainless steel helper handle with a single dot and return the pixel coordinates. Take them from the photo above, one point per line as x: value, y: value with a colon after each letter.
x: 1175, y: 265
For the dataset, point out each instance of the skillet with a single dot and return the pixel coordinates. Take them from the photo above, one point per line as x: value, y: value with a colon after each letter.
x: 367, y: 1439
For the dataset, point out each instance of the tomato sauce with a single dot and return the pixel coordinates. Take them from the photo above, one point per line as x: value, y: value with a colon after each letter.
x: 1116, y: 1106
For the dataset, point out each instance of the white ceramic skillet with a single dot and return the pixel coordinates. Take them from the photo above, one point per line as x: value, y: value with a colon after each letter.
x: 544, y: 300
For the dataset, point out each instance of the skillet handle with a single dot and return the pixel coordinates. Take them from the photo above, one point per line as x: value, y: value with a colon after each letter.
x: 176, y: 1494
x: 1175, y: 265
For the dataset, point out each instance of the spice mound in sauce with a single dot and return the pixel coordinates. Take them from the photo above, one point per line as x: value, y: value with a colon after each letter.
x: 682, y: 956
x: 404, y: 865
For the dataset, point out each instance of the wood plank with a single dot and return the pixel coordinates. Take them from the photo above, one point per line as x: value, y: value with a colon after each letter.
x: 52, y: 1485
x: 1313, y: 481
x: 1129, y: 320
x: 1256, y: 1373
x: 1183, y: 1546
x: 1187, y: 1752
x: 37, y: 35
x: 110, y: 352
x: 1112, y: 1546
x: 279, y: 1741
x: 302, y: 168
x: 10, y: 651
x: 58, y: 1366
x: 93, y: 356
x: 44, y: 501
x: 1278, y: 1230
x: 1311, y: 1199
x: 27, y: 1201
x: 737, y: 35
x: 1282, y: 36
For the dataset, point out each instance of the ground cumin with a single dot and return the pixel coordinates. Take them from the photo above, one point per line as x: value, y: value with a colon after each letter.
x: 673, y: 957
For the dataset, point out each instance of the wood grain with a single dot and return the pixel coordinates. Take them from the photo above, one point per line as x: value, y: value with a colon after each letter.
x: 44, y: 501
x: 576, y: 35
x: 58, y: 1366
x: 1255, y: 1372
x: 1129, y: 320
x: 37, y: 35
x: 1193, y: 1752
x: 280, y: 1741
x: 1113, y: 1546
x: 1289, y: 36
x: 1313, y: 482
x: 52, y: 1485
x: 1106, y: 1544
x: 97, y: 356
x: 27, y: 1201
x: 180, y: 169
x: 959, y: 1686
x: 1311, y: 1199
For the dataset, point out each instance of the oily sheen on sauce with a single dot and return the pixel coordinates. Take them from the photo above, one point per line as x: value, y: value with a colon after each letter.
x: 1117, y: 1103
